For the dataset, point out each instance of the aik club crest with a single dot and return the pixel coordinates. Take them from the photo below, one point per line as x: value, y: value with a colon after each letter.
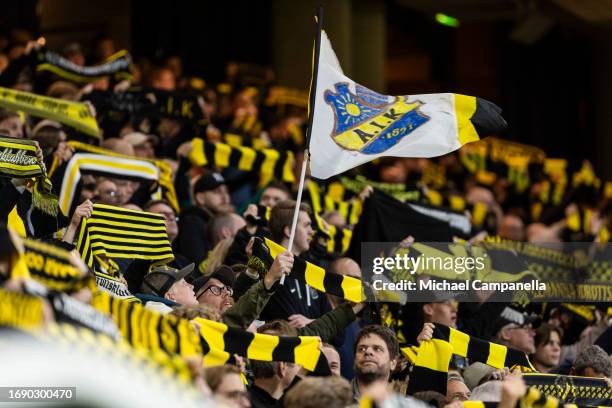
x: 367, y: 122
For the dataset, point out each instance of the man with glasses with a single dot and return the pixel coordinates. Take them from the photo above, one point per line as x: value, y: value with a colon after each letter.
x: 163, y: 207
x: 216, y: 290
x: 516, y: 329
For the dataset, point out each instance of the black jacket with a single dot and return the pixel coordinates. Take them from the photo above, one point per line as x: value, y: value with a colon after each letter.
x: 192, y: 240
x: 37, y: 223
x: 291, y: 298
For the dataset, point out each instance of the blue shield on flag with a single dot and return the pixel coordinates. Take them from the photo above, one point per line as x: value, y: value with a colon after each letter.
x: 368, y: 122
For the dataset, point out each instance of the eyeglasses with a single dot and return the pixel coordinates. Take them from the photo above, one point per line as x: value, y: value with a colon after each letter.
x: 517, y: 327
x: 217, y: 290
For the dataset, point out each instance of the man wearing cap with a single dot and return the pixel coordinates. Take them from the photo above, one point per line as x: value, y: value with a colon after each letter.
x: 211, y: 198
x: 164, y: 287
x: 516, y: 329
x: 216, y: 292
x: 441, y: 309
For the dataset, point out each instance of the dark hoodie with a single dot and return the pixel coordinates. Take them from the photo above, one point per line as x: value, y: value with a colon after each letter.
x: 192, y: 241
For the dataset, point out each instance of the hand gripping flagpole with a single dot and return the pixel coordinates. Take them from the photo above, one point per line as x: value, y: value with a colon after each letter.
x: 296, y: 212
x: 311, y: 104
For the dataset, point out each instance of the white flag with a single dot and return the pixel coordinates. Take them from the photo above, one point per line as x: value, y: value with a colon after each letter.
x: 353, y: 125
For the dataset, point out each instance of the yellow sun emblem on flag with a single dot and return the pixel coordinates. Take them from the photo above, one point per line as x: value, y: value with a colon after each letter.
x: 368, y: 126
x: 351, y: 111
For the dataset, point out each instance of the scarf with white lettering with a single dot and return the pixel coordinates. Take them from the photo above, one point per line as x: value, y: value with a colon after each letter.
x: 18, y: 160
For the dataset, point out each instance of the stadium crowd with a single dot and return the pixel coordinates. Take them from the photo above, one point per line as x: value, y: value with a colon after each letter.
x: 221, y: 204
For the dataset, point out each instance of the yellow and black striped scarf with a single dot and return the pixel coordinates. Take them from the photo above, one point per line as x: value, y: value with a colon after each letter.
x: 163, y: 369
x: 344, y: 287
x: 109, y: 279
x: 74, y: 114
x: 117, y: 232
x: 225, y: 341
x: 337, y: 239
x: 148, y: 330
x: 268, y: 163
x: 332, y: 200
x: 51, y: 266
x: 20, y: 310
x: 164, y: 170
x: 572, y: 389
x: 532, y: 399
x: 432, y: 358
x: 118, y: 66
x: 114, y: 286
x: 18, y: 160
x: 103, y: 165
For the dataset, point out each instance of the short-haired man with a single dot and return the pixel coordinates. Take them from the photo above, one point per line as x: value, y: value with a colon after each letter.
x: 294, y: 301
x: 163, y: 207
x: 272, y: 378
x: 376, y: 354
x: 273, y: 194
x: 456, y: 390
x: 441, y: 308
x: 211, y: 198
x: 332, y: 357
x: 225, y: 226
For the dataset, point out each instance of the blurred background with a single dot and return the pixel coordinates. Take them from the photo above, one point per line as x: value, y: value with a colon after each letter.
x: 547, y: 63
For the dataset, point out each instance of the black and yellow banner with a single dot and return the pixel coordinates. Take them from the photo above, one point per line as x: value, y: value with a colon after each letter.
x: 117, y: 66
x: 345, y: 287
x: 302, y: 350
x: 69, y: 310
x: 114, y: 286
x: 477, y: 350
x: 149, y: 103
x: 268, y: 163
x: 101, y: 165
x: 148, y: 330
x: 161, y: 369
x: 132, y: 168
x: 18, y: 160
x: 51, y: 266
x: 333, y: 200
x: 20, y: 311
x: 432, y: 358
x: 572, y: 389
x: 337, y: 239
x: 116, y: 232
x: 73, y: 114
x: 532, y: 399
